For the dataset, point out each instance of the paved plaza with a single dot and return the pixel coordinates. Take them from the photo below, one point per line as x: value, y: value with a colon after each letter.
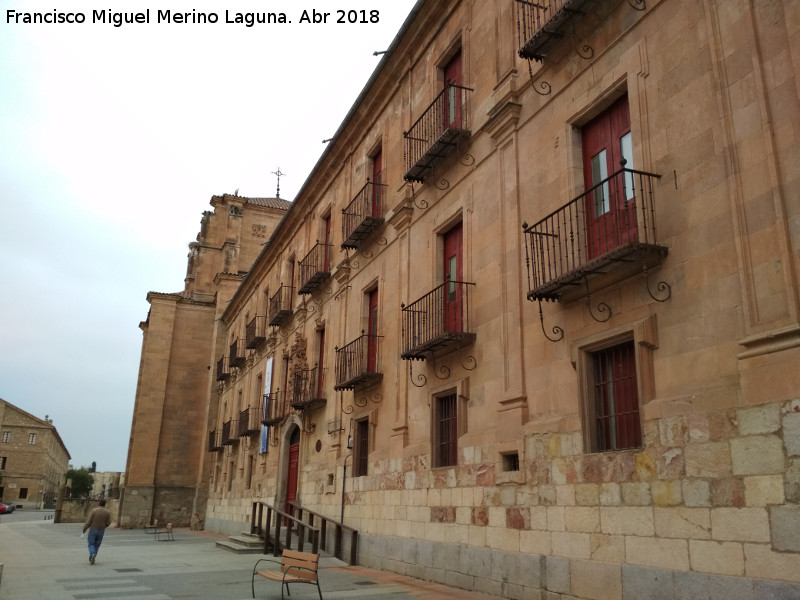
x: 44, y: 560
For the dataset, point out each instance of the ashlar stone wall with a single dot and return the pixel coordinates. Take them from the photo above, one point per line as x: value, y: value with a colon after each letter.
x: 709, y: 504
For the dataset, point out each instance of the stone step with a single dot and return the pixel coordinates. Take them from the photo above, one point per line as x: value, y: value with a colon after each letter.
x: 245, y: 539
x: 237, y: 548
x: 247, y: 543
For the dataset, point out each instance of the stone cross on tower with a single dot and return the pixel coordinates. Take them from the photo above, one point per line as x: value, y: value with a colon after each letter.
x: 278, y: 173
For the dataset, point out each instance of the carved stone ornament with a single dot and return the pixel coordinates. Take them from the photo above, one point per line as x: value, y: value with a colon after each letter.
x: 298, y: 349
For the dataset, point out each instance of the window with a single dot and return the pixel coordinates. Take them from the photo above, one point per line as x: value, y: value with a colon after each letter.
x: 446, y: 422
x: 372, y: 331
x: 6, y: 437
x: 511, y: 461
x: 616, y: 399
x: 607, y: 145
x: 23, y: 493
x: 326, y: 235
x: 3, y: 462
x: 377, y: 180
x: 290, y: 268
x: 453, y: 76
x: 31, y: 438
x: 320, y: 384
x: 453, y: 273
x: 361, y: 456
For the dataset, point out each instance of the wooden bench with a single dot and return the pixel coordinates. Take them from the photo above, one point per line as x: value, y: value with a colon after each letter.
x: 296, y: 567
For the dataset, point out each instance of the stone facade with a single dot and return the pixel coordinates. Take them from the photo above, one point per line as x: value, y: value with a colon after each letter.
x: 33, y: 458
x: 166, y: 471
x: 108, y: 484
x: 490, y: 450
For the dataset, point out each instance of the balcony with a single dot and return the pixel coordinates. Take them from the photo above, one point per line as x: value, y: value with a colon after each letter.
x: 230, y: 433
x: 214, y: 444
x: 363, y: 215
x: 236, y: 358
x: 571, y: 245
x: 357, y: 363
x: 255, y: 333
x: 315, y: 268
x: 280, y: 306
x: 435, y: 135
x: 542, y: 24
x: 223, y: 369
x: 307, y: 389
x: 274, y: 408
x: 249, y: 422
x: 438, y: 322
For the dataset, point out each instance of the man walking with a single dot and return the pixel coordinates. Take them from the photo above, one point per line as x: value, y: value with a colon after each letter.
x: 97, y: 521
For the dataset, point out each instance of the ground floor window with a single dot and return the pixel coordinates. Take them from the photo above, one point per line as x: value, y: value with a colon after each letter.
x: 616, y: 377
x: 446, y: 419
x: 616, y: 398
x: 361, y: 458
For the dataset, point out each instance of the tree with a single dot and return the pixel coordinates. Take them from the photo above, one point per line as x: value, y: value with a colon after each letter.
x: 82, y: 482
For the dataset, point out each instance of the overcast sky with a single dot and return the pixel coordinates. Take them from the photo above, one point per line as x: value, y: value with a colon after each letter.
x: 112, y: 142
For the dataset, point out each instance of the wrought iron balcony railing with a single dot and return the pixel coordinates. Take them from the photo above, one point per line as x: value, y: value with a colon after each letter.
x: 230, y: 433
x: 610, y: 227
x: 438, y: 322
x: 357, y: 363
x: 249, y: 422
x: 280, y: 306
x: 214, y: 442
x: 542, y: 23
x: 236, y: 356
x: 308, y: 389
x: 223, y: 369
x: 256, y: 332
x: 363, y: 215
x: 315, y: 268
x: 436, y: 133
x: 274, y: 408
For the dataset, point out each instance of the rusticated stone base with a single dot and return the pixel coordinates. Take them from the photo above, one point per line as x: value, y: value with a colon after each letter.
x: 518, y: 575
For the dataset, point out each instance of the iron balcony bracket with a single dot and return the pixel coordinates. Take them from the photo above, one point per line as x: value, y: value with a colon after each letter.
x: 663, y: 289
x: 586, y: 51
x: 602, y: 307
x: 420, y: 377
x: 557, y: 331
x: 545, y: 87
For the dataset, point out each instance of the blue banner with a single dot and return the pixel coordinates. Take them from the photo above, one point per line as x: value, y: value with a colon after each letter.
x: 265, y: 406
